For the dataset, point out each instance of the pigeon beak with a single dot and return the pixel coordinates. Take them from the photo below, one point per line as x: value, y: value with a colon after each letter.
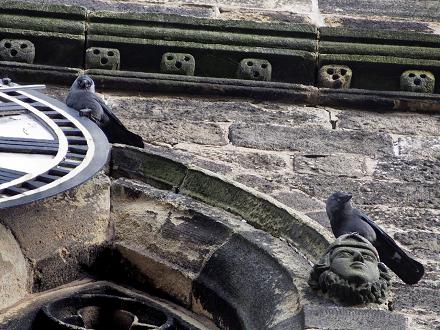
x: 347, y: 197
x: 84, y: 84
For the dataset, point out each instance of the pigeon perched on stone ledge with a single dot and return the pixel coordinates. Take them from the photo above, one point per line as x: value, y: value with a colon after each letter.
x: 82, y: 97
x: 345, y: 219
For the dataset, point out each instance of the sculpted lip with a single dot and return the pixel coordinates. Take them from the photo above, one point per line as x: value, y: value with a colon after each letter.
x: 358, y: 264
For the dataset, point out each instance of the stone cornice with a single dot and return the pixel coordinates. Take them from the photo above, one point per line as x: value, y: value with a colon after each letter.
x: 222, y: 50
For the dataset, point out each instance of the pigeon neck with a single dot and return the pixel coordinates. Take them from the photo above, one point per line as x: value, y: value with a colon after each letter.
x: 344, y: 208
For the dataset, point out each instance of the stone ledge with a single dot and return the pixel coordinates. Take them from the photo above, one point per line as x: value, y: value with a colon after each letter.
x: 376, y: 56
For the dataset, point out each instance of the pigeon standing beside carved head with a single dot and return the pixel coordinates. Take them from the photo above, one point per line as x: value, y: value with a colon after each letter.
x: 344, y: 219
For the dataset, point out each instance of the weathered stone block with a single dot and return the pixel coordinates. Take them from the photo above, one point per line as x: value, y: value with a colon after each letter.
x: 335, y: 76
x: 417, y: 81
x: 16, y: 50
x: 13, y: 270
x: 422, y: 244
x: 393, y: 122
x: 333, y: 318
x: 418, y: 147
x: 247, y: 285
x: 310, y: 139
x: 407, y: 170
x: 196, y: 110
x: 409, y: 298
x: 254, y: 69
x: 56, y: 234
x: 178, y: 131
x: 103, y: 58
x: 373, y: 192
x: 299, y: 201
x: 178, y: 63
x: 169, y: 245
x: 350, y: 165
x: 404, y: 218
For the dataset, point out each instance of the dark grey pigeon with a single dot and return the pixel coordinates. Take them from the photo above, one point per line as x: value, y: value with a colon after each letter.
x: 345, y: 219
x: 82, y: 97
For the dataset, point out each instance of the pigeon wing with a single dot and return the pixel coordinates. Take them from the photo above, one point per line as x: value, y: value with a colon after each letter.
x: 392, y: 255
x: 107, y: 110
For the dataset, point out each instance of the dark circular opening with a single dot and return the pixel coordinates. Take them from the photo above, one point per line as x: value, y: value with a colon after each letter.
x: 417, y: 81
x: 412, y: 75
x: 178, y: 64
x: 13, y: 52
x: 423, y: 76
x: 8, y: 45
x: 264, y: 65
x: 96, y: 51
x: 330, y: 71
x: 343, y: 72
x: 110, y: 53
x: 256, y: 74
x: 187, y: 58
x: 250, y: 63
x: 104, y: 60
x: 23, y: 46
x: 98, y: 318
x: 170, y: 57
x: 335, y: 77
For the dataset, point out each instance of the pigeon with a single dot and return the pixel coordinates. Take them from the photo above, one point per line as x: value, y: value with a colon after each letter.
x: 82, y: 97
x: 345, y: 219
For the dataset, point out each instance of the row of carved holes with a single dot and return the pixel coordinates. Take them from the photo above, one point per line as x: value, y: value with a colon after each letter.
x: 256, y: 73
x: 178, y: 64
x: 417, y: 81
x: 14, y: 52
x: 104, y: 60
x: 335, y: 76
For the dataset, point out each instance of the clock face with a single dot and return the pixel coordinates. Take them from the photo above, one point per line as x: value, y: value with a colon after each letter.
x: 45, y: 147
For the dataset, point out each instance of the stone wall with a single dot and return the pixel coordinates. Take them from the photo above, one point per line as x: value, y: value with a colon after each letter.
x: 300, y: 155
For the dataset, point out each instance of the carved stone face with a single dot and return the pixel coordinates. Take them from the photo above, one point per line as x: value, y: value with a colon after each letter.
x: 351, y: 272
x: 355, y: 264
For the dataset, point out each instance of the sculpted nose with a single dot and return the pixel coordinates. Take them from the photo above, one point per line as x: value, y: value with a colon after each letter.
x: 358, y: 257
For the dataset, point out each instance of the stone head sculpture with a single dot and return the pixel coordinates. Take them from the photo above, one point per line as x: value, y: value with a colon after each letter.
x: 350, y: 271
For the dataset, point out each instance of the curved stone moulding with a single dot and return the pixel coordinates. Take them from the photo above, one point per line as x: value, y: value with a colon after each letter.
x: 258, y: 209
x: 78, y: 148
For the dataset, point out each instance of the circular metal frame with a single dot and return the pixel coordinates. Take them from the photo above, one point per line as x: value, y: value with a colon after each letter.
x: 80, y: 148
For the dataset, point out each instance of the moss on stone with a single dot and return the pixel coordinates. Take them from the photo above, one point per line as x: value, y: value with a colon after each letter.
x: 260, y: 211
x: 51, y: 10
x: 291, y: 29
x: 133, y: 163
x: 202, y: 36
x: 43, y: 24
x: 389, y: 37
x: 414, y: 52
